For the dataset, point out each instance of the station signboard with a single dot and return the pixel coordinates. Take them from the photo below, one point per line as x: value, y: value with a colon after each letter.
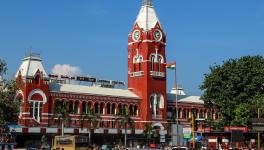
x: 257, y: 124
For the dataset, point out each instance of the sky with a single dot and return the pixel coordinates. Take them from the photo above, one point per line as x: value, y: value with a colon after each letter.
x: 90, y: 36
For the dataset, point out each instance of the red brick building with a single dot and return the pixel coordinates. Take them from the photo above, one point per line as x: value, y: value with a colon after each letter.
x: 146, y: 96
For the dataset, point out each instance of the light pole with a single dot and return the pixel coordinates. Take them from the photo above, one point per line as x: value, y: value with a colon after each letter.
x: 258, y: 131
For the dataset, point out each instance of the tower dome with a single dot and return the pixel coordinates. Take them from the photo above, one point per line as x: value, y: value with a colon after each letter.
x: 31, y: 63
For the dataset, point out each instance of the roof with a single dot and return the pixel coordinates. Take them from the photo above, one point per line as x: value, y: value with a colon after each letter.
x: 185, y: 98
x: 147, y: 17
x: 81, y: 89
x: 30, y: 65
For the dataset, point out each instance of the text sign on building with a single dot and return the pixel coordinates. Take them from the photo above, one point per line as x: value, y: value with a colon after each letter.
x: 235, y: 128
x: 257, y: 124
x: 187, y: 132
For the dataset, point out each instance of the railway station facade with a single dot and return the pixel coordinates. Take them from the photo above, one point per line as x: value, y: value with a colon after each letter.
x: 146, y: 97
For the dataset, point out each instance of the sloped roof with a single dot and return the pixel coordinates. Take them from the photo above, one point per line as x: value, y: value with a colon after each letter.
x: 81, y: 89
x: 30, y: 65
x: 184, y: 98
x: 147, y: 17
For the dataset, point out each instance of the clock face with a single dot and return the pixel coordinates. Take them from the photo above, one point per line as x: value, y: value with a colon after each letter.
x: 157, y: 35
x: 136, y: 35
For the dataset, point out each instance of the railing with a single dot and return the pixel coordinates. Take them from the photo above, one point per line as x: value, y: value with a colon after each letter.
x: 137, y: 74
x: 157, y: 74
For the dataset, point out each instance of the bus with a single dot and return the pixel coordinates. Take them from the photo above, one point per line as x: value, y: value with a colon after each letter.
x: 70, y: 142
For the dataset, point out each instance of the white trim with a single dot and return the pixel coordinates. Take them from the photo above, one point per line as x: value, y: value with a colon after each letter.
x: 112, y: 131
x: 156, y: 54
x: 34, y: 130
x: 44, y: 123
x: 37, y: 91
x: 68, y: 130
x: 18, y: 130
x: 161, y: 35
x: 136, y: 40
x: 51, y: 130
x: 138, y: 131
x: 81, y: 131
x: 20, y: 92
x: 212, y: 140
x: 147, y: 41
x: 25, y: 113
x: 84, y: 130
x: 100, y: 130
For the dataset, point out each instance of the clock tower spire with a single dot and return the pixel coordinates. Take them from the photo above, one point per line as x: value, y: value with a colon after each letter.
x: 146, y: 59
x: 147, y: 2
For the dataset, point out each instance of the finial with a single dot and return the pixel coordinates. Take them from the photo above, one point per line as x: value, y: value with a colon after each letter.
x: 147, y: 2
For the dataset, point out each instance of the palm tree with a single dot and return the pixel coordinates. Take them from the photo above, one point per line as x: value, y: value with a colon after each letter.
x: 90, y: 121
x: 148, y: 130
x: 61, y: 113
x: 124, y: 119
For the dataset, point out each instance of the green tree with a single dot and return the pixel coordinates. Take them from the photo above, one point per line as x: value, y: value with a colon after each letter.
x: 9, y: 108
x: 124, y: 120
x: 90, y: 120
x: 148, y: 131
x: 61, y: 114
x: 235, y: 88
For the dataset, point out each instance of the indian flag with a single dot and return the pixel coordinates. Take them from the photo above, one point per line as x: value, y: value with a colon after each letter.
x: 171, y: 66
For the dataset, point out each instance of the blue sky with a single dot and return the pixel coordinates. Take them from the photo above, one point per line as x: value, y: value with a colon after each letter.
x: 92, y: 34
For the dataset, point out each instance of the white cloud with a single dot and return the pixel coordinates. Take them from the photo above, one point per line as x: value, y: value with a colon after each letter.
x: 66, y: 69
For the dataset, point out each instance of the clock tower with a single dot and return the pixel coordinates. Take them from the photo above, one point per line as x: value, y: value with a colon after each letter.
x: 146, y: 63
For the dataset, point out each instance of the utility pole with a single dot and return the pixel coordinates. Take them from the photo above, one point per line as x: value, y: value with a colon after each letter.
x: 193, y: 138
x: 258, y: 131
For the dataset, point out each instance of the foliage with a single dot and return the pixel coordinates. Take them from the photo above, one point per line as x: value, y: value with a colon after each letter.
x: 90, y: 119
x: 241, y: 114
x: 124, y: 119
x: 61, y: 112
x: 235, y: 88
x: 148, y: 130
x: 9, y: 108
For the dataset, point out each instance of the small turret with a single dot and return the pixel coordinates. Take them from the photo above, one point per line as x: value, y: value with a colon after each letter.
x: 31, y: 64
x: 147, y: 17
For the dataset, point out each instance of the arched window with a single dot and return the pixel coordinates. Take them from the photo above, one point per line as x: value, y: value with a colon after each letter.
x: 108, y: 108
x: 37, y: 78
x: 76, y: 107
x: 184, y: 113
x: 84, y: 107
x: 137, y: 60
x: 119, y: 109
x: 102, y: 108
x: 20, y: 98
x: 152, y: 59
x: 131, y: 111
x: 70, y: 105
x: 36, y: 99
x: 113, y: 111
x: 135, y: 110
x: 89, y: 107
x: 96, y: 108
x: 159, y: 63
x: 152, y: 105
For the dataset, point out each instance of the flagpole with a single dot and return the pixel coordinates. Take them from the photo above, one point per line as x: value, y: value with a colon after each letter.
x: 176, y: 103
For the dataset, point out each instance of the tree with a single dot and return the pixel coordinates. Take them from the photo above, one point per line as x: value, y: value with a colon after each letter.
x: 124, y: 120
x: 9, y: 108
x: 148, y: 131
x: 90, y: 121
x: 235, y: 88
x: 61, y: 114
